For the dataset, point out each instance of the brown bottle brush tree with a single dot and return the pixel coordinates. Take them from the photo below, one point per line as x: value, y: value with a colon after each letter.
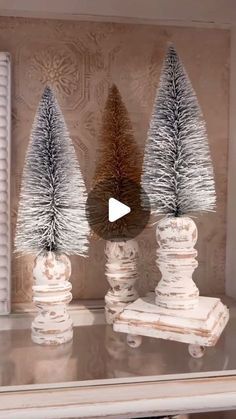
x: 118, y: 169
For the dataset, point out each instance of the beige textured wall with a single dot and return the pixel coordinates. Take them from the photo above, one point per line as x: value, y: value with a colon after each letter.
x: 80, y: 59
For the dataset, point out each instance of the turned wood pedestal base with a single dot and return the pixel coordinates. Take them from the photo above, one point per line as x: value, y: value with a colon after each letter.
x: 200, y: 326
x: 51, y: 295
x: 121, y: 272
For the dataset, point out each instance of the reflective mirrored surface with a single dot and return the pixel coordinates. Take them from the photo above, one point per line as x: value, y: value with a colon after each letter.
x: 98, y: 353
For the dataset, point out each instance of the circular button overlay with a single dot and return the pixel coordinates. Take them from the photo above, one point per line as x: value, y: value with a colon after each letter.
x: 124, y: 193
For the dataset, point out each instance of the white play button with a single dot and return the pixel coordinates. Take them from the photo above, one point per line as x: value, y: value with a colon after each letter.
x: 116, y: 210
x: 115, y: 214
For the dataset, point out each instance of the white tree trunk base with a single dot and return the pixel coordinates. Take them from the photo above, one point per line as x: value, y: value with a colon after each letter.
x: 121, y: 273
x: 201, y: 326
x: 51, y: 295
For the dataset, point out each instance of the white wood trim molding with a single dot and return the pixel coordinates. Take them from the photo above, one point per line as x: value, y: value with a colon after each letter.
x: 5, y: 155
x: 183, y: 13
x: 231, y: 204
x: 123, y: 400
x: 117, y: 19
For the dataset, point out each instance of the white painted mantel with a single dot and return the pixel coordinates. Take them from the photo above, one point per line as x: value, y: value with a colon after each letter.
x: 129, y: 397
x: 120, y: 398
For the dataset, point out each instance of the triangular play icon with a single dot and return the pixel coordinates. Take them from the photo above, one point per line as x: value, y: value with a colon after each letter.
x: 116, y: 210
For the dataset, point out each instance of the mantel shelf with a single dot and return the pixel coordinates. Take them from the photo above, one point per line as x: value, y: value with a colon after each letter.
x: 99, y: 366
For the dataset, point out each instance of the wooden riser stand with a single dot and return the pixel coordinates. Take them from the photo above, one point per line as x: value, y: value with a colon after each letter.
x: 175, y: 311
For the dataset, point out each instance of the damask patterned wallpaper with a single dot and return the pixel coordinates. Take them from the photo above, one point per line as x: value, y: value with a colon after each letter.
x: 80, y: 60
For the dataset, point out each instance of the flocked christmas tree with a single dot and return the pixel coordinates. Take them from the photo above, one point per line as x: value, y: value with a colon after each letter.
x: 178, y: 177
x: 117, y: 173
x: 51, y: 219
x: 177, y: 168
x: 51, y: 215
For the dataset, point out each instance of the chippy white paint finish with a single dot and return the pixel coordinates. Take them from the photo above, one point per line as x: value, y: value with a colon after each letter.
x: 51, y: 295
x: 5, y: 153
x: 121, y: 273
x: 202, y: 325
x: 176, y: 237
x: 175, y: 311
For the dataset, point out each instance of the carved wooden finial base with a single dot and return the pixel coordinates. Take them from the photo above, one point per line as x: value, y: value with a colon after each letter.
x: 121, y: 273
x: 51, y: 295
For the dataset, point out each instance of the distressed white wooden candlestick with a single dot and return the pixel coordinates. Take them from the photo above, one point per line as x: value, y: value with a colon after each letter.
x: 121, y: 273
x: 5, y: 152
x: 51, y: 295
x: 176, y: 237
x: 175, y: 311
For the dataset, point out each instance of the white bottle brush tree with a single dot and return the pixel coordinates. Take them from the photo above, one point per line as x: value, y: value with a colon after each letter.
x: 178, y: 178
x: 51, y: 220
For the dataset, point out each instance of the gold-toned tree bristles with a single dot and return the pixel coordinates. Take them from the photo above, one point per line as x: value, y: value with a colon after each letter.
x: 119, y: 157
x: 118, y: 168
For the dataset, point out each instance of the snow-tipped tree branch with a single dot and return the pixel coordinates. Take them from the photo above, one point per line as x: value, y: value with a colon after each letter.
x: 177, y: 168
x: 51, y: 215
